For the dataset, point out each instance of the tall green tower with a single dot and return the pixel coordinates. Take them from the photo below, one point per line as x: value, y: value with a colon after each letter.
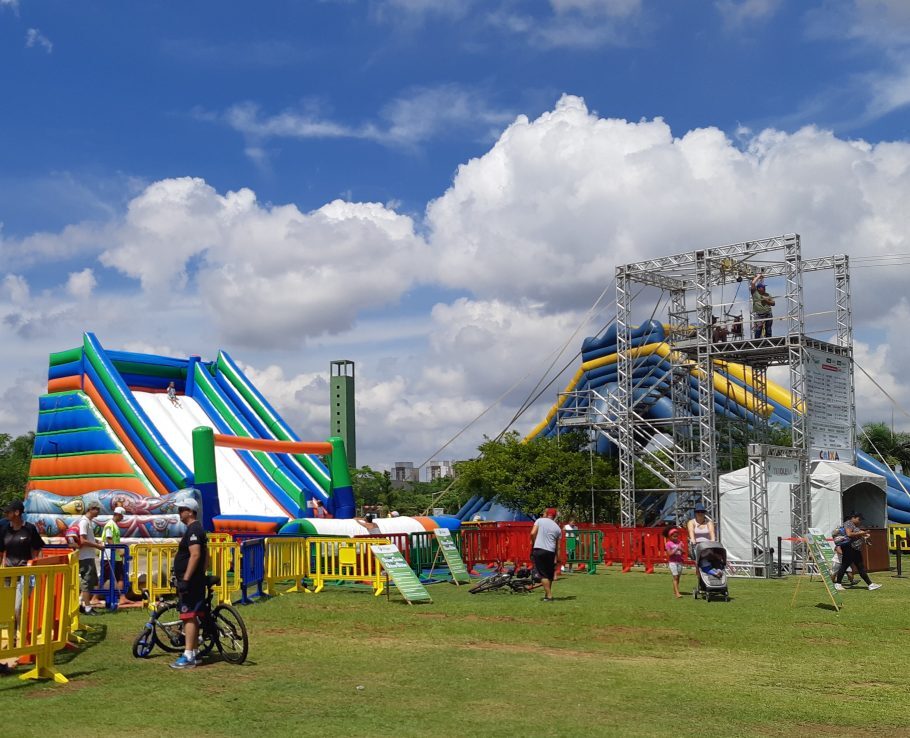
x: 342, y: 421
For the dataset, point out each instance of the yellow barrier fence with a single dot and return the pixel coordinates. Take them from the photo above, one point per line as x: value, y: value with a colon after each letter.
x: 224, y: 558
x: 899, y: 535
x: 344, y: 560
x: 152, y: 563
x: 285, y: 560
x: 36, y: 605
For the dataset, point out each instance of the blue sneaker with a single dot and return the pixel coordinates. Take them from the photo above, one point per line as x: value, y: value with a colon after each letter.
x: 184, y: 663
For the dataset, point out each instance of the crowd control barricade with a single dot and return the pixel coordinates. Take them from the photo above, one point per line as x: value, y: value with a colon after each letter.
x: 152, y: 564
x: 285, y: 561
x: 224, y: 554
x: 483, y: 545
x: 107, y: 577
x: 425, y: 553
x: 252, y: 569
x: 587, y: 550
x: 344, y: 560
x: 401, y: 541
x: 899, y: 535
x: 36, y: 609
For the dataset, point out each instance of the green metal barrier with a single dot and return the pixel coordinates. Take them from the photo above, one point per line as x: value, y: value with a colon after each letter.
x: 425, y: 553
x: 587, y: 549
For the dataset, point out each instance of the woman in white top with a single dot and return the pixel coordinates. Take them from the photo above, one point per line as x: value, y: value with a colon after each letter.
x: 700, y: 527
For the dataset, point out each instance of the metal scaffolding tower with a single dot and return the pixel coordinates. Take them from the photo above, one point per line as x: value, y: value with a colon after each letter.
x: 687, y: 459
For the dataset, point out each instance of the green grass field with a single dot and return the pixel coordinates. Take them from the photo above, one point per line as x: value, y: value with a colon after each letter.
x: 616, y: 654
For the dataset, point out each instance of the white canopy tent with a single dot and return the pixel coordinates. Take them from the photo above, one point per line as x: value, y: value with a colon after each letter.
x: 837, y: 489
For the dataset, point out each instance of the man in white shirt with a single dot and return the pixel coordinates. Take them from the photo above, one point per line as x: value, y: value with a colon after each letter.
x: 88, y: 570
x: 545, y: 537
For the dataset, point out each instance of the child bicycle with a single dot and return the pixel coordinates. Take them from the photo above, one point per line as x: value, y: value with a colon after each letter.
x: 520, y: 581
x: 222, y: 627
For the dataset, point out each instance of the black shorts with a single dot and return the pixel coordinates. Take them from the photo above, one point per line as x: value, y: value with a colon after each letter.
x: 192, y: 602
x: 106, y: 571
x: 544, y: 562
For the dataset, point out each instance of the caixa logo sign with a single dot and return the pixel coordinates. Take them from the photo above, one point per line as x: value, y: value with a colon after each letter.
x: 828, y: 455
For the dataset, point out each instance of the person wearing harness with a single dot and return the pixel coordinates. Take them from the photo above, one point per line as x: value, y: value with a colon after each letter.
x: 762, y: 302
x: 700, y: 527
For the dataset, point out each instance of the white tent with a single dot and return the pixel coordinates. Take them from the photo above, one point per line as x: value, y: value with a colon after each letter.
x: 836, y: 490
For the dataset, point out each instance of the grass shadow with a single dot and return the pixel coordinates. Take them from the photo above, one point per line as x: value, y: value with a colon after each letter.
x: 91, y: 637
x: 826, y: 606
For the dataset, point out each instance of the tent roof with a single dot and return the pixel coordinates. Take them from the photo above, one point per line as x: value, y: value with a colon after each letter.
x: 836, y: 475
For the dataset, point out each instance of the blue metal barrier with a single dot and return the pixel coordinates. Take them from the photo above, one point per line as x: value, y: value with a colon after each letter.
x: 108, y: 580
x: 252, y: 569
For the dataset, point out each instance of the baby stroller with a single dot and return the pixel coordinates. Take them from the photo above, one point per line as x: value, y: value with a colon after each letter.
x: 711, y: 586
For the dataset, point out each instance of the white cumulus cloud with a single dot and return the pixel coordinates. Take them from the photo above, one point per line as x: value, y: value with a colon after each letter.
x: 81, y: 284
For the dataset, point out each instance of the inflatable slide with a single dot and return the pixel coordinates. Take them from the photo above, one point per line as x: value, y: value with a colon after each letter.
x: 733, y: 397
x: 108, y: 424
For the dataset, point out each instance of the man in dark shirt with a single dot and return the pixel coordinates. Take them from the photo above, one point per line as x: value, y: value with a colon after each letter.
x: 190, y: 566
x: 19, y: 541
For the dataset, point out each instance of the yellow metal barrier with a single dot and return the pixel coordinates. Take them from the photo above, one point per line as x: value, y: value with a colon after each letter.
x: 41, y: 625
x: 344, y: 559
x: 152, y: 563
x: 285, y: 560
x: 224, y: 556
x: 899, y: 535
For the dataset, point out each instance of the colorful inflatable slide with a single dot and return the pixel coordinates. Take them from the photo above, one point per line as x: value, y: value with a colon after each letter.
x: 107, y: 424
x: 733, y: 397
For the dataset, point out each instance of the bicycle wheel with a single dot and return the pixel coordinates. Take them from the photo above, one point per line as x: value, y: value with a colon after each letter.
x: 494, y: 582
x: 230, y: 634
x: 142, y: 646
x: 169, y: 628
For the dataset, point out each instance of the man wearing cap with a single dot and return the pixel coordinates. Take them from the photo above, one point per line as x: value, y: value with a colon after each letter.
x: 110, y: 534
x: 88, y: 571
x: 19, y: 543
x: 545, y: 537
x: 852, y: 552
x: 190, y: 566
x: 762, y: 303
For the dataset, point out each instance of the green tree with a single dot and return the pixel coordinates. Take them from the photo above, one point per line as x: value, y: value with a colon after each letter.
x: 372, y: 487
x: 878, y: 440
x: 15, y: 457
x: 545, y: 471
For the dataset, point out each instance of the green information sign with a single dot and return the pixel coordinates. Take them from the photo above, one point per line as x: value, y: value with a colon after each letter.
x: 822, y: 553
x: 452, y: 556
x: 401, y: 574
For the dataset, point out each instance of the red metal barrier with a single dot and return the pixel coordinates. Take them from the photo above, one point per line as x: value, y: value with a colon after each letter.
x: 631, y: 546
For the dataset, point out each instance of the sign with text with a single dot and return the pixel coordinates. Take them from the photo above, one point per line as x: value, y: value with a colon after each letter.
x: 400, y: 573
x: 452, y: 556
x: 782, y: 470
x: 829, y: 411
x: 822, y: 552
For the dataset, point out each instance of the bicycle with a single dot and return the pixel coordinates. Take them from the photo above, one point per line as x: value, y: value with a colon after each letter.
x: 221, y: 627
x: 518, y: 581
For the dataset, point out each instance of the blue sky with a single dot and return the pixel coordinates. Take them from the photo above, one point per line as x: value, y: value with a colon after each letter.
x: 417, y: 180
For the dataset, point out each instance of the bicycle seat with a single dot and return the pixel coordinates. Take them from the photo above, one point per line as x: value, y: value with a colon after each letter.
x: 212, y: 581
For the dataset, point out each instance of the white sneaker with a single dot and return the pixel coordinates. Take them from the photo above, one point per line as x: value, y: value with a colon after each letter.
x: 874, y: 586
x: 839, y: 587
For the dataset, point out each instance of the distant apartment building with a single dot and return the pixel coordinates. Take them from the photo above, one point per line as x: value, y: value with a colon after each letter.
x: 437, y: 469
x: 405, y: 471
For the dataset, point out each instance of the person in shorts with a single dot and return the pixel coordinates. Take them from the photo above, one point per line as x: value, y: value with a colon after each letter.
x: 20, y: 542
x: 676, y: 556
x: 110, y: 534
x: 545, y: 535
x: 190, y: 567
x: 88, y: 568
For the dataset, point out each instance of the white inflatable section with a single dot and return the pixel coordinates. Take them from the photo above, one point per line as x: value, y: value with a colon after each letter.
x: 399, y: 525
x: 239, y: 492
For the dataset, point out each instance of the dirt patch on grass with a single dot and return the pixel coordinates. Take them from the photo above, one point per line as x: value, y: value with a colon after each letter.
x: 827, y: 641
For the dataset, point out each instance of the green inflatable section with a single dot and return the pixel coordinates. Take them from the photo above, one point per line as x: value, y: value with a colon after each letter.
x: 314, y: 470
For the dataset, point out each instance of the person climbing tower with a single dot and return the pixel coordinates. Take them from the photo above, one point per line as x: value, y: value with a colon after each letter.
x: 762, y: 302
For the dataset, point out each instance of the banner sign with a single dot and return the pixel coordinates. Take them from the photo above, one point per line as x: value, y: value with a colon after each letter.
x: 452, y: 556
x: 829, y: 411
x: 400, y: 573
x: 782, y: 470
